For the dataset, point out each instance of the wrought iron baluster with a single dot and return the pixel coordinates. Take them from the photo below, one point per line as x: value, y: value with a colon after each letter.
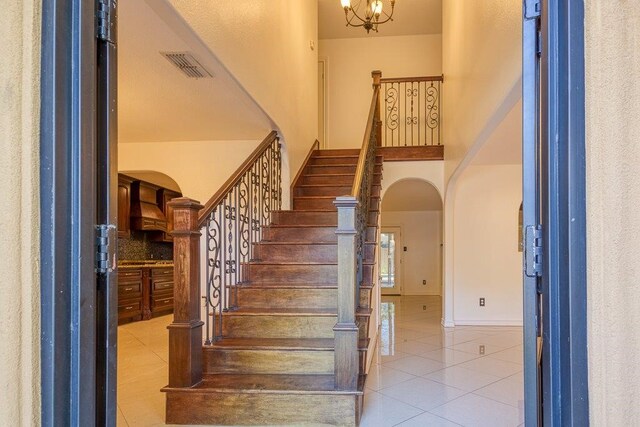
x: 232, y: 228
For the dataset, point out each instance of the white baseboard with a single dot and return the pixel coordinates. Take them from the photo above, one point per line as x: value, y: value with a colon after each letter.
x: 496, y: 322
x: 447, y: 323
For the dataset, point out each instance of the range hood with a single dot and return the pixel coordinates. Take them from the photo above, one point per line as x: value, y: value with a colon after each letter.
x: 145, y: 212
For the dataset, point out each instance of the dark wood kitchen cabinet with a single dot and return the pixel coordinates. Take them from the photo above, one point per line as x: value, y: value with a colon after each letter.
x: 161, y: 290
x: 124, y: 206
x: 144, y: 293
x: 130, y: 290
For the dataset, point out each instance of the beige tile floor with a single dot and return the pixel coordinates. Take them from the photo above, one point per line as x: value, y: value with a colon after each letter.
x: 422, y: 374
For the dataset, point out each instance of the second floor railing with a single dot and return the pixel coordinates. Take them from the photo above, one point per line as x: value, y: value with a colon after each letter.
x: 411, y: 111
x: 232, y: 221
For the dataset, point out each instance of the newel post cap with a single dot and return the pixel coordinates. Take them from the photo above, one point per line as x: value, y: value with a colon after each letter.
x: 185, y: 203
x: 377, y: 76
x: 345, y: 202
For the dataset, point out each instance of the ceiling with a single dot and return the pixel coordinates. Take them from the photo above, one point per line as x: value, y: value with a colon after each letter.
x: 411, y: 17
x: 157, y: 102
x: 411, y: 195
x: 504, y: 146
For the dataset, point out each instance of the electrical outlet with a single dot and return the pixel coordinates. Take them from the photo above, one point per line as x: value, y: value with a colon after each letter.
x: 424, y: 282
x: 482, y: 302
x: 481, y: 350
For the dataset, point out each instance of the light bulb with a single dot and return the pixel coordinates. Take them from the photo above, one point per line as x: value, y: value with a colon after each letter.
x: 376, y: 7
x: 346, y: 4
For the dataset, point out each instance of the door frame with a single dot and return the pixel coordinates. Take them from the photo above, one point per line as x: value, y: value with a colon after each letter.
x: 325, y: 89
x: 554, y: 173
x: 71, y: 318
x: 399, y: 262
x: 565, y: 394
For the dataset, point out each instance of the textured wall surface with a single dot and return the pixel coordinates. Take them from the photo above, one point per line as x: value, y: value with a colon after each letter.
x: 613, y: 218
x: 19, y: 213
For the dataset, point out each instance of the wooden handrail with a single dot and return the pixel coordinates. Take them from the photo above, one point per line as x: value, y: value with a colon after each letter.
x: 315, y: 146
x: 355, y: 190
x: 412, y: 79
x: 235, y: 178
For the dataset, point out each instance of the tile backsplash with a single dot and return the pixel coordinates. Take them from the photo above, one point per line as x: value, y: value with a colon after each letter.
x: 139, y: 246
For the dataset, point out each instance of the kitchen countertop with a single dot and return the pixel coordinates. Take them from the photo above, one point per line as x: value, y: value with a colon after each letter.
x: 127, y: 264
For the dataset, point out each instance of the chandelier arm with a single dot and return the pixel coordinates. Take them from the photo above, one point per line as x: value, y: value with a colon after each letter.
x: 390, y: 18
x: 356, y: 14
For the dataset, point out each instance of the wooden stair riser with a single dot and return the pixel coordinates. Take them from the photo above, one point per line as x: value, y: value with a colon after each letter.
x: 236, y: 408
x: 290, y: 326
x: 341, y: 179
x: 312, y: 218
x: 331, y: 190
x: 319, y: 203
x: 298, y: 273
x: 321, y: 297
x: 335, y: 169
x: 302, y: 252
x: 240, y: 361
x: 309, y: 234
x: 333, y: 160
x: 300, y: 234
x: 271, y: 362
x: 337, y: 152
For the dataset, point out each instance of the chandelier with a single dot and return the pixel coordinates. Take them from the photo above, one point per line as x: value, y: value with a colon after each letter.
x: 370, y: 18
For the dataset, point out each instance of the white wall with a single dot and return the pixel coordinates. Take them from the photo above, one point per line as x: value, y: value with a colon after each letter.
x: 350, y: 62
x: 422, y: 235
x: 431, y: 171
x: 486, y: 260
x: 612, y: 107
x: 266, y: 45
x: 481, y: 62
x: 199, y: 167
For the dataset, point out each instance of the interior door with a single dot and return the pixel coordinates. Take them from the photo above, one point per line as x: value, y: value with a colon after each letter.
x: 390, y: 261
x: 531, y: 209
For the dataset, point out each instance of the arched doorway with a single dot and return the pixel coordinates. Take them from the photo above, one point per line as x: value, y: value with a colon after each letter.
x: 411, y: 239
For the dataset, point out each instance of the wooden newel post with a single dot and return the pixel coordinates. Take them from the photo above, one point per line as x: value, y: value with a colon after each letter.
x: 185, y: 333
x: 346, y: 329
x: 377, y: 77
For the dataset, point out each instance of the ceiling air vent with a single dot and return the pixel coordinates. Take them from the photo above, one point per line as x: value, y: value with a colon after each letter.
x: 186, y: 63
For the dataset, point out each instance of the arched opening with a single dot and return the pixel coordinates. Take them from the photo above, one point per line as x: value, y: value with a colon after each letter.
x: 411, y: 238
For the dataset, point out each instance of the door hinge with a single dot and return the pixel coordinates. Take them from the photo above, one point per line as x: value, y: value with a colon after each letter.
x: 532, y: 9
x: 533, y: 250
x: 105, y: 20
x: 539, y: 43
x: 105, y: 248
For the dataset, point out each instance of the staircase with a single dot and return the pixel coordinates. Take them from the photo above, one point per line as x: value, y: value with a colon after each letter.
x: 275, y: 362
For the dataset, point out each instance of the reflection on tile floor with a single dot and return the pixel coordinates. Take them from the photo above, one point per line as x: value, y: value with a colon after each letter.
x: 422, y: 374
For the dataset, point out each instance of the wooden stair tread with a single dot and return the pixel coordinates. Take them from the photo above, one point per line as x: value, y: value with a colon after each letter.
x: 284, y: 285
x: 298, y: 243
x: 259, y: 262
x: 310, y: 312
x: 313, y: 344
x: 265, y: 383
